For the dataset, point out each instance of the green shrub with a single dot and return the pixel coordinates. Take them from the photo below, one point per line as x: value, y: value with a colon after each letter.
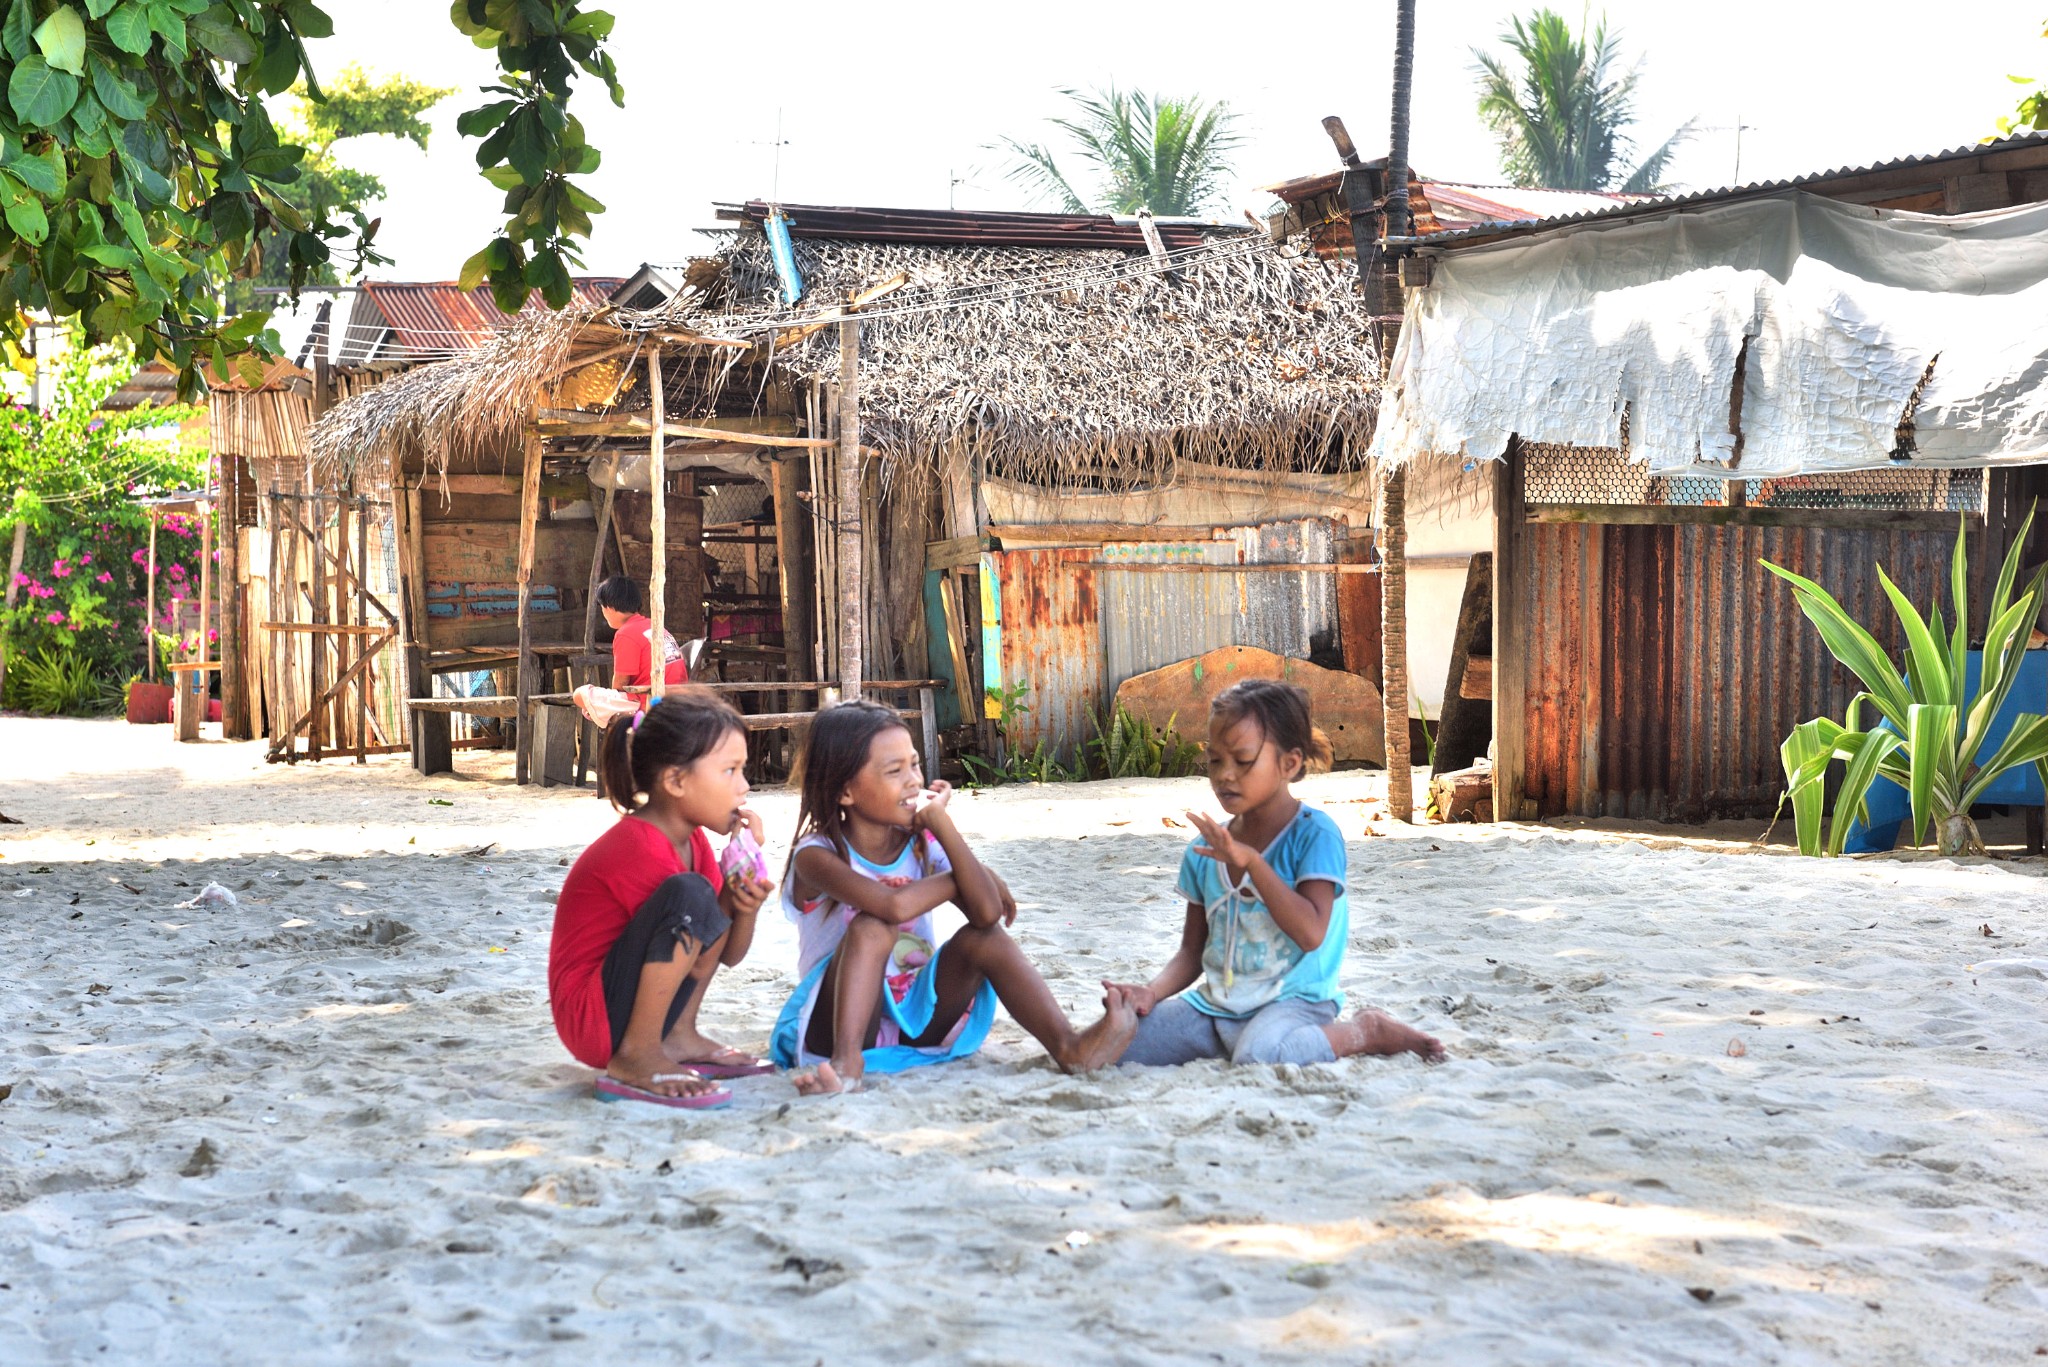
x: 1934, y: 731
x: 58, y: 681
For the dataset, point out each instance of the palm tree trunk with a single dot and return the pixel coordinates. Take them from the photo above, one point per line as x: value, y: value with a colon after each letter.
x: 1394, y: 516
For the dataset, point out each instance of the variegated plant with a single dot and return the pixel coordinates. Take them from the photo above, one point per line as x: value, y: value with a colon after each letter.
x: 1932, y: 731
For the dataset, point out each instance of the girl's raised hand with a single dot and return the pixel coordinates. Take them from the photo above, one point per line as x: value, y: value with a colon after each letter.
x: 938, y: 793
x: 1223, y: 847
x: 1009, y: 898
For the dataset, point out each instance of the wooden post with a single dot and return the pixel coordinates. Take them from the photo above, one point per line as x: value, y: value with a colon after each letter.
x: 149, y: 633
x: 849, y: 510
x: 604, y: 526
x: 529, y: 528
x: 317, y: 641
x: 273, y: 693
x: 657, y: 531
x: 206, y: 651
x: 791, y: 558
x: 1510, y: 534
x: 234, y: 674
x: 1394, y: 643
x: 337, y: 710
x: 362, y: 619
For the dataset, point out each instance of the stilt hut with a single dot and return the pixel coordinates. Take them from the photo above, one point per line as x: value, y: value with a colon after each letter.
x: 975, y: 448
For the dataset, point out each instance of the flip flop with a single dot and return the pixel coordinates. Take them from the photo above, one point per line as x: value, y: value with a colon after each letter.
x: 611, y: 1089
x: 729, y: 1063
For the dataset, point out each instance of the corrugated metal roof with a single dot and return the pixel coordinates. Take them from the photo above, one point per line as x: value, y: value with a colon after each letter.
x: 396, y: 319
x: 1726, y: 194
x: 978, y: 227
x: 1458, y: 205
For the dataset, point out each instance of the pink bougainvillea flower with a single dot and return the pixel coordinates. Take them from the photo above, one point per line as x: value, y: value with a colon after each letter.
x: 85, y: 559
x: 103, y: 578
x: 176, y: 571
x: 22, y: 581
x: 55, y: 619
x: 60, y: 568
x: 140, y: 557
x: 212, y: 636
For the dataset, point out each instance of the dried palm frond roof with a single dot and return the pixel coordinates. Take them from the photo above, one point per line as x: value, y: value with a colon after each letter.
x: 1049, y: 361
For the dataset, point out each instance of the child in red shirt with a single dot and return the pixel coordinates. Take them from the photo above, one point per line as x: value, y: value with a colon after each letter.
x: 633, y: 641
x: 645, y: 919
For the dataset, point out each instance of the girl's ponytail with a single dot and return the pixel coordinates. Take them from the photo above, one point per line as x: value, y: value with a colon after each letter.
x: 679, y: 729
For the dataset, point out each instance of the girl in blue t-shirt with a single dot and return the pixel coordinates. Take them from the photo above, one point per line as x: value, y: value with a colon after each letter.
x: 1267, y: 917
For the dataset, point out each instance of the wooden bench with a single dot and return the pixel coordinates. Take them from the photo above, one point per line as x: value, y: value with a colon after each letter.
x: 433, y: 747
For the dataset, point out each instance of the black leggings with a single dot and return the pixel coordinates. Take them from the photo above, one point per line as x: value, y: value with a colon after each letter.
x: 683, y: 910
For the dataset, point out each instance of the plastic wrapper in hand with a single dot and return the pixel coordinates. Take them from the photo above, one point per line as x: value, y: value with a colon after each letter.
x: 742, y: 855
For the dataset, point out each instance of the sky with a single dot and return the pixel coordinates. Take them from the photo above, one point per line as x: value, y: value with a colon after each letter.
x: 895, y: 104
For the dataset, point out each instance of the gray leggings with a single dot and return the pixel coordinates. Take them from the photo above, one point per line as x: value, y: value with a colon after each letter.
x: 1287, y: 1031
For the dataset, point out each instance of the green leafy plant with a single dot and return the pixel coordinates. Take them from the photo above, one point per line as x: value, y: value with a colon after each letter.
x: 1040, y: 764
x: 1932, y: 732
x: 1129, y: 746
x: 2032, y: 114
x: 58, y: 681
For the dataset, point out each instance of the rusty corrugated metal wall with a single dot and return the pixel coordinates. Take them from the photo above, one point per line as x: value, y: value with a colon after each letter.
x: 1664, y: 665
x: 1052, y: 640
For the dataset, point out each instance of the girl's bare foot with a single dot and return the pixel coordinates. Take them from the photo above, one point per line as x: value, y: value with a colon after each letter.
x: 823, y: 1080
x: 657, y: 1075
x: 1375, y: 1032
x: 1104, y: 1042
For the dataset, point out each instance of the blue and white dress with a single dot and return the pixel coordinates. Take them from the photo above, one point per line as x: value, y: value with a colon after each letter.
x: 1249, y: 961
x: 909, y: 981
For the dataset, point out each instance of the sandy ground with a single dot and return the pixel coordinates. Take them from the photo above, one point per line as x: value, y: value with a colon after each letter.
x: 333, y: 1124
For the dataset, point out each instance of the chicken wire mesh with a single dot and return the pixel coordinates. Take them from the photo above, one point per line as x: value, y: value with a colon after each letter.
x: 1605, y: 476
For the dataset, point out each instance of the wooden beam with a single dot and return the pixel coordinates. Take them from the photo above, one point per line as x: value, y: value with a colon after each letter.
x: 334, y: 690
x: 657, y: 484
x: 604, y: 524
x: 317, y: 533
x: 1510, y: 634
x: 956, y: 647
x: 851, y: 625
x: 338, y: 563
x: 1853, y: 519
x: 956, y: 552
x: 529, y: 528
x: 790, y: 336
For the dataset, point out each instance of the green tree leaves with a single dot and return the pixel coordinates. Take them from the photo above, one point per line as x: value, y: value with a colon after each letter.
x: 531, y: 144
x: 1561, y: 107
x: 1157, y: 152
x: 62, y: 40
x: 143, y: 185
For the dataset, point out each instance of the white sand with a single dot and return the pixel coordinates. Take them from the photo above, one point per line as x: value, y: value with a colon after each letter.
x: 410, y: 1169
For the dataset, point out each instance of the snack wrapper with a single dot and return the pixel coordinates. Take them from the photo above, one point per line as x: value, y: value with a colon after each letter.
x: 742, y: 855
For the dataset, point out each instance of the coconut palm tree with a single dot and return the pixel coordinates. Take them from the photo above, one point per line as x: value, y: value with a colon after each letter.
x: 1561, y: 104
x: 1158, y: 152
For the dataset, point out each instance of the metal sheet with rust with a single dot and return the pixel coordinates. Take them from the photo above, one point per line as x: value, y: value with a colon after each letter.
x: 1345, y: 706
x: 1665, y: 665
x: 1052, y: 641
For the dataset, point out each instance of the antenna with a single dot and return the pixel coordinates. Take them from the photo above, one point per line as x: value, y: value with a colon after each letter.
x: 775, y: 179
x: 1738, y: 128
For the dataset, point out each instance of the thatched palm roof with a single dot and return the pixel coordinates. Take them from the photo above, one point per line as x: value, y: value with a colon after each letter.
x: 1046, y: 360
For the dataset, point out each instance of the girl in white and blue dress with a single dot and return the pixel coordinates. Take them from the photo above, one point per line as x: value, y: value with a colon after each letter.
x: 876, y: 853
x: 1267, y: 916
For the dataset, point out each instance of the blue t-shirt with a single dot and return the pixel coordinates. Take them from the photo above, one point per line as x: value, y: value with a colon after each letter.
x: 1249, y: 961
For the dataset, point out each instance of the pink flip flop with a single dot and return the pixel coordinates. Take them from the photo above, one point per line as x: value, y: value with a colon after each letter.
x: 611, y: 1089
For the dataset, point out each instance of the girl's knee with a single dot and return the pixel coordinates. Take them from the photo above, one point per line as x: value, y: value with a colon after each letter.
x: 865, y: 926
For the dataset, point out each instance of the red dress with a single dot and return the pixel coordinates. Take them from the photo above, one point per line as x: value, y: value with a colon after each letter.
x: 610, y: 882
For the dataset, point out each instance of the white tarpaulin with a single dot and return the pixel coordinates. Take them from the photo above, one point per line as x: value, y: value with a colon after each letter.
x: 1837, y: 312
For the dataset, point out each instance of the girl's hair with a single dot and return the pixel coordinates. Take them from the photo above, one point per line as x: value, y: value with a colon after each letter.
x: 620, y: 594
x: 834, y: 753
x: 681, y: 728
x: 1281, y: 710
